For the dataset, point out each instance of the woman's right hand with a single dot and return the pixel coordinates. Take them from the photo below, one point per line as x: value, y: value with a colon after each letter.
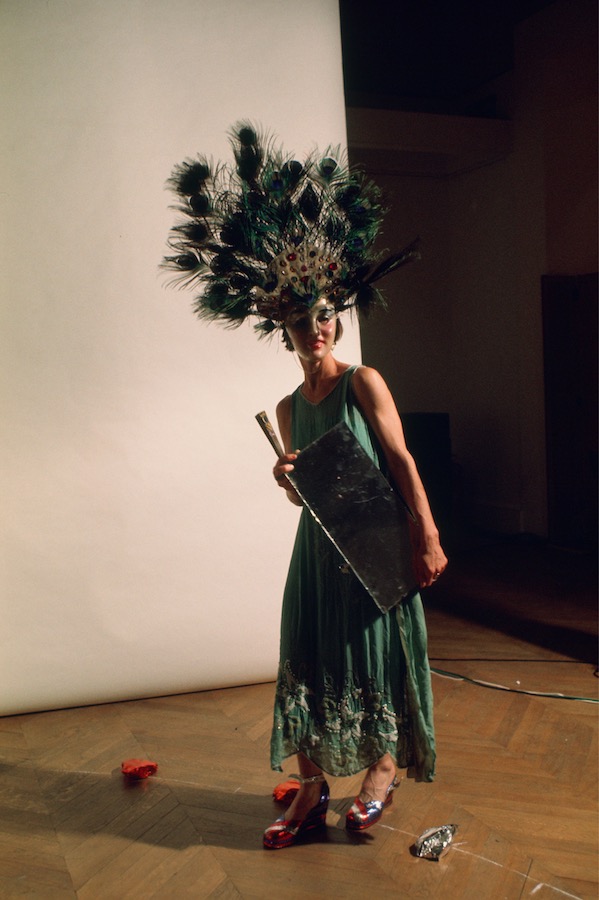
x: 283, y: 467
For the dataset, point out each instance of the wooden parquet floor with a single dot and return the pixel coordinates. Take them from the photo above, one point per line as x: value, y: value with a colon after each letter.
x: 516, y: 772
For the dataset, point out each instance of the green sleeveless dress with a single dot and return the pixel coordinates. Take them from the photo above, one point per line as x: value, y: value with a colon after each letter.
x: 353, y: 683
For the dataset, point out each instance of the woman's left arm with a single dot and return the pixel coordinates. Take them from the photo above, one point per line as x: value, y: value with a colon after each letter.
x: 377, y: 404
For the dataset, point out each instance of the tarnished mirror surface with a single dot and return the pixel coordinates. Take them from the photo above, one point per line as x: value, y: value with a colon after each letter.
x: 359, y: 511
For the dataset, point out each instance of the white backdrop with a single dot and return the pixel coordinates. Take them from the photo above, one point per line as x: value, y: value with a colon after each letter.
x: 145, y: 544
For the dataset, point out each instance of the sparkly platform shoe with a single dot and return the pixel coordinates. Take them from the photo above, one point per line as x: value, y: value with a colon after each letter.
x: 364, y: 814
x: 285, y: 832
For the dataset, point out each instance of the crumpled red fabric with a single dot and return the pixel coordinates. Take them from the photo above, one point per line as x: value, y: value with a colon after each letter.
x: 285, y: 791
x: 138, y: 768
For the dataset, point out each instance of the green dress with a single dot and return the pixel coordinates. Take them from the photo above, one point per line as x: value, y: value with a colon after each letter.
x: 353, y: 683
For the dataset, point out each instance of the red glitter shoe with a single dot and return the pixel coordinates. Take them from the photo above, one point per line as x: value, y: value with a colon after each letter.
x: 285, y: 832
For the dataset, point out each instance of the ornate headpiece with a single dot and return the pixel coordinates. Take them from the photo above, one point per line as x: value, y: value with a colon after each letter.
x: 272, y: 232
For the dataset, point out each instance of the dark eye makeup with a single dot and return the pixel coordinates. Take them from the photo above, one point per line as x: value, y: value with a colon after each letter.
x: 302, y: 320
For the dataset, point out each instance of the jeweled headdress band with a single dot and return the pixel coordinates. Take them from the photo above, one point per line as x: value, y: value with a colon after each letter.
x: 271, y: 232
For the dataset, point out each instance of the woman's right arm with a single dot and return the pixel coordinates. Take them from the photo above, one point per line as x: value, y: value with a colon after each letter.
x: 285, y: 463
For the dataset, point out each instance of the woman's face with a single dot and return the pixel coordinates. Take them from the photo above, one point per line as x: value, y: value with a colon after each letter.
x: 312, y: 331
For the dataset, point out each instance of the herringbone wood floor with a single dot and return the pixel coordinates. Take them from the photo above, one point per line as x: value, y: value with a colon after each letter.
x: 517, y: 773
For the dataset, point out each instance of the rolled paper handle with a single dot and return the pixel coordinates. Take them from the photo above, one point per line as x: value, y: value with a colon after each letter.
x: 264, y: 423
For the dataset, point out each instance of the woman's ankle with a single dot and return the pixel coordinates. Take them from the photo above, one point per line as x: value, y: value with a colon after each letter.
x: 308, y: 769
x: 306, y: 799
x: 383, y: 767
x: 378, y: 778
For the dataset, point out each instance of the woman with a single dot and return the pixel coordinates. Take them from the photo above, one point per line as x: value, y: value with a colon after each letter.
x: 346, y: 706
x: 292, y: 244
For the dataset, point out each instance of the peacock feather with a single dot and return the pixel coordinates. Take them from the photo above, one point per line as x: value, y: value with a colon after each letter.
x: 267, y: 232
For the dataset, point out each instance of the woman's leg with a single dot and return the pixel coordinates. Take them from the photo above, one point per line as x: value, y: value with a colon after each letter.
x: 376, y: 794
x: 307, y: 812
x: 309, y: 792
x: 378, y: 778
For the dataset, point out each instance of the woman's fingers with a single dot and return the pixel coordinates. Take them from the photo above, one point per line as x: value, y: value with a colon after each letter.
x: 429, y: 567
x: 283, y: 467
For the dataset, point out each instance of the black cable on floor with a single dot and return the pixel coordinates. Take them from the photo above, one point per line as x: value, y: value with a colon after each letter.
x: 500, y: 687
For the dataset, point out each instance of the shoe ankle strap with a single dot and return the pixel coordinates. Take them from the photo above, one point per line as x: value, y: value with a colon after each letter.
x: 314, y: 779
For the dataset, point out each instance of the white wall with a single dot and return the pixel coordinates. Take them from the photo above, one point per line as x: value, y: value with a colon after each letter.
x: 145, y: 543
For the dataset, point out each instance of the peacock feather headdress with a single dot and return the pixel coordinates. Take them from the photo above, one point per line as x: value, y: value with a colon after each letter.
x: 270, y: 232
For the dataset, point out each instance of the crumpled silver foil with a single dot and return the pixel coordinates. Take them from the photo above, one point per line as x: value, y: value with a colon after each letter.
x: 435, y: 842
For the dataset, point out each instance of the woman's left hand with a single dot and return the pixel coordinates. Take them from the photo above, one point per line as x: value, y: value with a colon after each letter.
x: 429, y: 561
